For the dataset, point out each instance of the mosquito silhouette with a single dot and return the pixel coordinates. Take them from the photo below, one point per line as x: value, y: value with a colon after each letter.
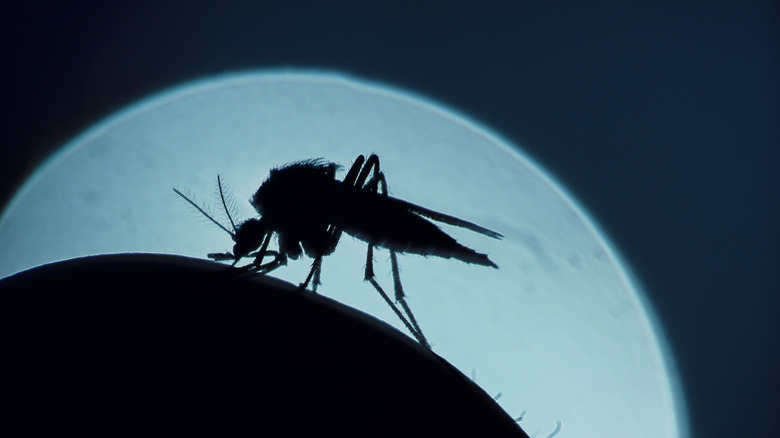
x: 308, y: 209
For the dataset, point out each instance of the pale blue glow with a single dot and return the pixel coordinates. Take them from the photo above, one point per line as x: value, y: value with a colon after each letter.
x: 561, y: 329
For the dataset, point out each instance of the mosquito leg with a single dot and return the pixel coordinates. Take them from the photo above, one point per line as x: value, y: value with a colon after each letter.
x: 316, y: 266
x: 261, y: 253
x: 354, y: 170
x: 317, y: 272
x: 369, y: 276
x: 399, y: 297
x: 369, y: 273
x: 373, y: 186
x: 378, y: 183
x: 279, y: 260
x: 420, y: 338
x: 371, y: 163
x: 333, y: 234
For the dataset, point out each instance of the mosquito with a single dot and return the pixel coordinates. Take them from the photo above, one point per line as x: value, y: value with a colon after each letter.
x: 308, y: 209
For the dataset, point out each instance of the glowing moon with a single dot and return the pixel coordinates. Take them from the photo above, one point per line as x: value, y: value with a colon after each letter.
x: 561, y: 330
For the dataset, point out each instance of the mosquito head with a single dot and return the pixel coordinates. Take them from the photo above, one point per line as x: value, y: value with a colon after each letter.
x: 249, y: 236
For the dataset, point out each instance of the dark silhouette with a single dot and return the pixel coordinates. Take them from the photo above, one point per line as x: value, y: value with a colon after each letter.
x: 308, y: 208
x: 128, y: 344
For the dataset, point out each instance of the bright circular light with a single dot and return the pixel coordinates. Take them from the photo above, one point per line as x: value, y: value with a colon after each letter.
x: 561, y: 330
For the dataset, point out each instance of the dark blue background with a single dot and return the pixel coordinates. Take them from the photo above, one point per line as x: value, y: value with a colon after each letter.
x: 661, y: 118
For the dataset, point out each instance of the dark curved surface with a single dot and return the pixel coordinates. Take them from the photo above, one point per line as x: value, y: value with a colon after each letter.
x: 131, y: 344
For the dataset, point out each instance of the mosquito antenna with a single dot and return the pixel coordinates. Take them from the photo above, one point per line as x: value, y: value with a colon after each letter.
x: 224, y: 203
x: 203, y: 212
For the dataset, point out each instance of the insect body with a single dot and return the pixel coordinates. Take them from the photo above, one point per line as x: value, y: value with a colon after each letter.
x: 308, y: 209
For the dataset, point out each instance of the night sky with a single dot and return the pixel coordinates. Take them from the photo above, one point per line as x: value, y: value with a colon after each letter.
x: 661, y: 119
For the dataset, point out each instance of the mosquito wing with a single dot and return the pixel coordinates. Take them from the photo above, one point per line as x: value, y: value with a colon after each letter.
x: 447, y: 219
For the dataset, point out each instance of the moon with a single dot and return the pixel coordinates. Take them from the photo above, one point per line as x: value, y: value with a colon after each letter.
x: 562, y: 330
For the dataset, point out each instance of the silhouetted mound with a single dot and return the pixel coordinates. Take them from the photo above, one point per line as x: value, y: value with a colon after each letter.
x: 138, y: 344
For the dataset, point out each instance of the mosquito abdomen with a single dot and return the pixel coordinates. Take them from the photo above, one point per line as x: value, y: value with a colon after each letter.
x: 385, y: 223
